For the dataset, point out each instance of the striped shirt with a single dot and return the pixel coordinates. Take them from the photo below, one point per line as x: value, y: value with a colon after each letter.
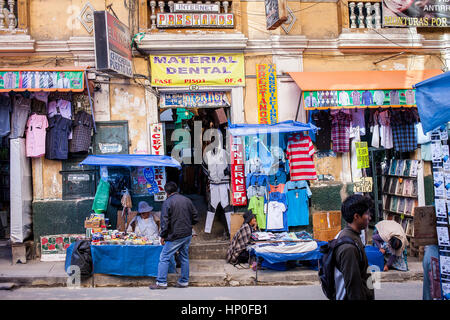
x: 300, y: 151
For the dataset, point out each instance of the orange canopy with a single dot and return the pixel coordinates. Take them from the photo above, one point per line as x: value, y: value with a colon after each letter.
x: 359, y: 80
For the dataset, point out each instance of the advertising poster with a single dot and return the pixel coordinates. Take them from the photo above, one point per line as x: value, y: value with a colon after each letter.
x: 416, y: 13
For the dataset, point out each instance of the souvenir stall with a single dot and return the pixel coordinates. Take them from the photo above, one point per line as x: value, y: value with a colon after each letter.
x: 278, y: 162
x: 371, y: 117
x: 124, y: 252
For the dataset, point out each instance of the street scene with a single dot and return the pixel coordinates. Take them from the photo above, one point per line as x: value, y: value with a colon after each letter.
x: 224, y: 150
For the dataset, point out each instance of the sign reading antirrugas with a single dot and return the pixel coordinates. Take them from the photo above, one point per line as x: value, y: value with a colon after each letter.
x: 225, y: 69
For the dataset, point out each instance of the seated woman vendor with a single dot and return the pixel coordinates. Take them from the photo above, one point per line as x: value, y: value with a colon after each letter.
x: 144, y: 224
x: 390, y: 238
x: 237, y: 252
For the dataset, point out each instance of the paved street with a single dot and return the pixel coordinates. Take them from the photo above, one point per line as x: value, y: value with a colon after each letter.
x: 388, y: 291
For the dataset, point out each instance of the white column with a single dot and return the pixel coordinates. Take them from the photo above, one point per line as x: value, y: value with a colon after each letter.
x: 352, y: 15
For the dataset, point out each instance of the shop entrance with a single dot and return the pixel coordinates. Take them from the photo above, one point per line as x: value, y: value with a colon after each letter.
x: 190, y: 124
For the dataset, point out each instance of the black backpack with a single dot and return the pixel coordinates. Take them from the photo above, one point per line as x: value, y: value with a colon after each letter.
x: 81, y: 257
x: 327, y: 264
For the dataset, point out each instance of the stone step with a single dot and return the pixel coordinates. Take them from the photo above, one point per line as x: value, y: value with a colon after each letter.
x: 208, y: 250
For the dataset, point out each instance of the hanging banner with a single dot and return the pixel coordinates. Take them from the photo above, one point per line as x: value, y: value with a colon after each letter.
x: 266, y: 81
x: 362, y: 155
x: 160, y: 178
x: 226, y: 69
x: 156, y: 139
x: 45, y: 80
x: 329, y: 99
x: 112, y: 45
x: 409, y: 13
x: 239, y: 196
x: 214, y: 99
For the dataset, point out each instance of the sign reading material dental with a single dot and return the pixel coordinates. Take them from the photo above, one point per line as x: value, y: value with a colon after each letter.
x: 225, y: 69
x: 266, y: 82
x: 112, y: 45
x: 414, y: 13
x: 239, y: 197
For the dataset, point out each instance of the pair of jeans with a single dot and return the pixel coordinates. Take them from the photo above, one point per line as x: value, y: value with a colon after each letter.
x: 167, y: 254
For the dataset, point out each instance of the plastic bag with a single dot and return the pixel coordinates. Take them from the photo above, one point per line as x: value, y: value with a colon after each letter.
x: 101, y: 197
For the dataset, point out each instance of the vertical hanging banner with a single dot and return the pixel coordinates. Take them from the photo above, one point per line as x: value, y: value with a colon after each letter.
x: 239, y: 197
x: 156, y: 139
x: 157, y: 148
x: 266, y: 81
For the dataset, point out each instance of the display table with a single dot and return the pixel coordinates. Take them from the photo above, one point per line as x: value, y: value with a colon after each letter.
x: 124, y: 260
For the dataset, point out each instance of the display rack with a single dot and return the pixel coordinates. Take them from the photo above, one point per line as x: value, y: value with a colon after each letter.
x: 402, y: 191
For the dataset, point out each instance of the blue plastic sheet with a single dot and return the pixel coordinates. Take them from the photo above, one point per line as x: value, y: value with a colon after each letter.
x: 433, y: 101
x: 124, y: 260
x: 276, y: 258
x: 131, y: 160
x: 282, y: 127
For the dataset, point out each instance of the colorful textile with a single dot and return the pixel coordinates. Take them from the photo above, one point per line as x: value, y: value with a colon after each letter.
x: 340, y: 131
x: 404, y: 136
x: 82, y: 127
x: 239, y: 243
x: 297, y: 195
x: 277, y: 188
x: 256, y: 204
x: 35, y: 135
x: 299, y: 152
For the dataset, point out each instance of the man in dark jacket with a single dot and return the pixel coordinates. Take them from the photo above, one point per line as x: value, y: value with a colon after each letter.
x: 351, y: 276
x: 178, y: 215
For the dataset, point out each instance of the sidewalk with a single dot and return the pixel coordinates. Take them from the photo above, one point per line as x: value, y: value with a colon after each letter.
x: 203, y: 273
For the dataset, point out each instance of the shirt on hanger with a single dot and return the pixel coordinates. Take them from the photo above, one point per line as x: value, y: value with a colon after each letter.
x: 344, y: 99
x: 62, y: 107
x: 340, y: 130
x: 21, y: 111
x: 35, y: 135
x: 311, y: 101
x: 322, y: 119
x: 57, y: 138
x: 410, y: 97
x: 300, y: 151
x: 5, y: 111
x: 82, y: 127
x: 277, y: 196
x: 367, y: 98
x: 297, y: 206
x: 278, y: 178
x: 275, y: 216
x: 358, y: 120
x: 256, y: 204
x: 394, y: 97
x: 356, y: 98
x: 256, y: 191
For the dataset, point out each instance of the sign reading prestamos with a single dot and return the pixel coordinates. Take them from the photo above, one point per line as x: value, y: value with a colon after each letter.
x: 413, y: 13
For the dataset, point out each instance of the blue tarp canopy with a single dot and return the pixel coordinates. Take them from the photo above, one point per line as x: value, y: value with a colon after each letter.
x: 131, y: 160
x: 282, y: 127
x: 433, y: 101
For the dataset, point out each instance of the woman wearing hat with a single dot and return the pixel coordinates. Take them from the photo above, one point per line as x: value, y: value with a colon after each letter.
x: 144, y: 224
x: 237, y: 252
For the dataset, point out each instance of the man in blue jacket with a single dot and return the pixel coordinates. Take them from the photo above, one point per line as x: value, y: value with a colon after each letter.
x: 178, y: 215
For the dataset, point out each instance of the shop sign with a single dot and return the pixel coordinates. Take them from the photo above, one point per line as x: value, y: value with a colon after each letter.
x: 53, y: 247
x: 408, y: 13
x: 112, y: 45
x: 329, y: 99
x: 363, y: 184
x: 32, y: 80
x: 110, y: 147
x: 266, y: 82
x: 156, y: 139
x: 226, y: 69
x: 239, y: 197
x: 194, y: 100
x: 362, y: 155
x: 195, y: 20
x: 194, y: 7
x: 160, y: 178
x: 276, y: 13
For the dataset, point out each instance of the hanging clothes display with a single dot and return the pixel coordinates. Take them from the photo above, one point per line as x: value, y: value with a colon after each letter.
x: 219, y: 184
x: 297, y: 198
x: 82, y: 131
x: 322, y: 119
x: 57, y: 138
x: 299, y: 152
x: 36, y: 130
x: 5, y: 111
x: 340, y: 130
x: 19, y: 117
x: 403, y: 129
x: 256, y: 205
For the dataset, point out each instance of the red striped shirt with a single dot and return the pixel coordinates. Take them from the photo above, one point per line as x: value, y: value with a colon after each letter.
x: 300, y: 151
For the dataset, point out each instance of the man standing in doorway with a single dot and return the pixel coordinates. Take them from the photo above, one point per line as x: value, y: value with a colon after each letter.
x: 350, y: 275
x: 178, y: 215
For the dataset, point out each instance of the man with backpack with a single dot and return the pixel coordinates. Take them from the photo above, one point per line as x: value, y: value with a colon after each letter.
x: 343, y: 270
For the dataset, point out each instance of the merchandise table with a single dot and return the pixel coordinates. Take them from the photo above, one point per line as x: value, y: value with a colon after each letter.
x: 124, y: 260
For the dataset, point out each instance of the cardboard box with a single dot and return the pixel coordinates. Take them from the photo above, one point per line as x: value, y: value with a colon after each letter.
x: 236, y: 221
x: 121, y: 220
x: 326, y: 220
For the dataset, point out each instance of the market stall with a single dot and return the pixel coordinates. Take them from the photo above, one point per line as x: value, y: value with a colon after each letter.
x: 122, y: 252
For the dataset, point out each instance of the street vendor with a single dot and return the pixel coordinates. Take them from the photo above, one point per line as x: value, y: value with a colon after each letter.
x: 390, y: 238
x: 145, y: 223
x: 237, y: 252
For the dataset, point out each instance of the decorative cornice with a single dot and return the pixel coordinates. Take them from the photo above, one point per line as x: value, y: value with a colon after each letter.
x: 16, y: 43
x: 277, y: 44
x: 194, y: 42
